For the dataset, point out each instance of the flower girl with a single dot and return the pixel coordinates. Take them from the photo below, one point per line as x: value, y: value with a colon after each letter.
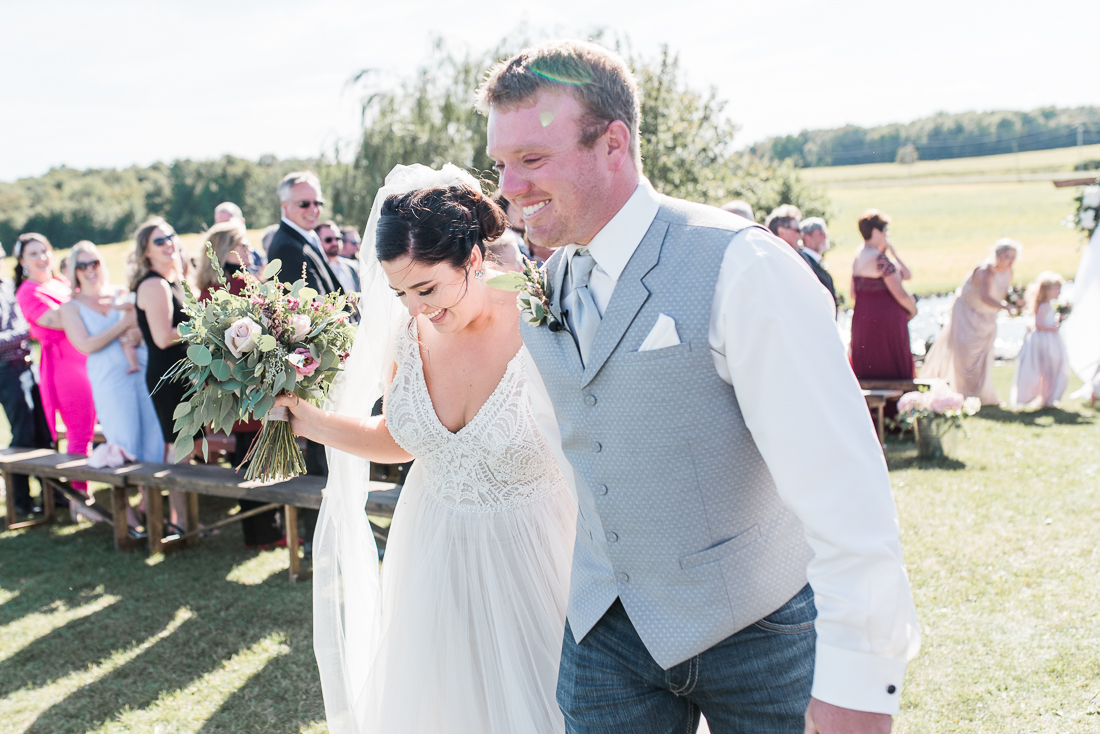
x: 1042, y: 371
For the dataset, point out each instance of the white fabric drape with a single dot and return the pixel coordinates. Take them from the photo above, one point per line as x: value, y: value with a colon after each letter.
x: 1081, y: 331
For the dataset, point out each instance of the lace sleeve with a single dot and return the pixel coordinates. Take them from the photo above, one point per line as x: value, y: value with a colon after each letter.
x: 885, y: 267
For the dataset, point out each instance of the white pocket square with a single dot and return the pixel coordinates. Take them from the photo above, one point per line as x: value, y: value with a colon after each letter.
x: 662, y: 335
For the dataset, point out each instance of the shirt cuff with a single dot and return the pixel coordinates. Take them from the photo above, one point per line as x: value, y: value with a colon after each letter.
x: 858, y: 680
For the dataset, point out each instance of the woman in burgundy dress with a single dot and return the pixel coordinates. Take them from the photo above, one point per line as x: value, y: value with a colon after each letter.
x: 880, y: 318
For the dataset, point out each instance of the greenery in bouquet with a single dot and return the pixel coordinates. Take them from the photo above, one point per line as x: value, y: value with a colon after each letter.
x: 1088, y: 209
x: 941, y: 403
x: 1063, y: 308
x: 534, y: 297
x: 244, y: 350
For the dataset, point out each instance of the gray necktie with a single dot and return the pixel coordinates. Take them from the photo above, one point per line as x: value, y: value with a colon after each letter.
x: 583, y: 317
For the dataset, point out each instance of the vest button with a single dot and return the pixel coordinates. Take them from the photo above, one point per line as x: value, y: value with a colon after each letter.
x: 612, y: 537
x: 622, y: 578
x: 589, y: 400
x: 596, y: 448
x: 601, y: 489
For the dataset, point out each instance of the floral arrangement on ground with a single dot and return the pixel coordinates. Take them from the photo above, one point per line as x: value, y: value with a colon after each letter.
x: 244, y: 350
x: 938, y: 403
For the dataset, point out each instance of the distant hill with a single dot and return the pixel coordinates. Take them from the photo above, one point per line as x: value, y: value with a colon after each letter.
x: 941, y: 136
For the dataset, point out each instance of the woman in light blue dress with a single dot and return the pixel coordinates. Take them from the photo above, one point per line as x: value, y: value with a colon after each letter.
x: 100, y: 323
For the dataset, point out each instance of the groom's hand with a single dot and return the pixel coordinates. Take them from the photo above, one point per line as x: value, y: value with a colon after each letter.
x: 825, y: 718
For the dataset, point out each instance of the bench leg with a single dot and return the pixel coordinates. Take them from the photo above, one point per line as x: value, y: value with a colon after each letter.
x: 48, y: 506
x: 9, y: 495
x: 290, y: 515
x: 119, y: 505
x: 881, y: 425
x: 191, y: 516
x: 154, y: 518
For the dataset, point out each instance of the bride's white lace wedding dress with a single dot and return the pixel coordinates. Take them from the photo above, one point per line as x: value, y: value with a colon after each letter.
x: 475, y: 581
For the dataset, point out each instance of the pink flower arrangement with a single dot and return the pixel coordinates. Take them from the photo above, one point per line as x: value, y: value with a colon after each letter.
x: 304, y: 363
x: 940, y: 401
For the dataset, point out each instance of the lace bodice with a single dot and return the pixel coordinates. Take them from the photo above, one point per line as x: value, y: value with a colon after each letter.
x: 497, y: 461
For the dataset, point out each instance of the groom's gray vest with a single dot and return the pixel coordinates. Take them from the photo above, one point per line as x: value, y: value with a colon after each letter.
x: 679, y: 516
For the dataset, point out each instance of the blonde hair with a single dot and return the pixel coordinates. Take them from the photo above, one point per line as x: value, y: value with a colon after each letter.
x: 70, y: 264
x: 1039, y: 291
x: 139, y: 258
x: 223, y: 238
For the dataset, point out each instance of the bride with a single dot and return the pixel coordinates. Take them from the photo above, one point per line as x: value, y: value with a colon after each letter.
x: 462, y: 631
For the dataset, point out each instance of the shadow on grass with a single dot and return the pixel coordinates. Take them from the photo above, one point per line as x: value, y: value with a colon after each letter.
x: 1040, y: 417
x: 76, y: 566
x: 903, y: 455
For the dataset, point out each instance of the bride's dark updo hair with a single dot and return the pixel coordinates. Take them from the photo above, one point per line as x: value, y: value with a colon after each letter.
x: 440, y: 224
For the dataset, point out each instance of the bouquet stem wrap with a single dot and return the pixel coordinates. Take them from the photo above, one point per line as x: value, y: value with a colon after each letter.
x: 274, y: 454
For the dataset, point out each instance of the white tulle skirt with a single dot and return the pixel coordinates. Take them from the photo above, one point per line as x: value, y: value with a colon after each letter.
x: 473, y: 608
x: 1042, y: 370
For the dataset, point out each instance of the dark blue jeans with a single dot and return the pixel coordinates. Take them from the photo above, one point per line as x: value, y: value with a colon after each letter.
x: 757, y: 680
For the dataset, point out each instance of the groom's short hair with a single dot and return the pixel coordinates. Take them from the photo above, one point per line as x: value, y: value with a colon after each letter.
x: 596, y: 77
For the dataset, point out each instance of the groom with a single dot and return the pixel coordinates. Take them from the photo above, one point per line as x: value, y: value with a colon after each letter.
x: 684, y: 405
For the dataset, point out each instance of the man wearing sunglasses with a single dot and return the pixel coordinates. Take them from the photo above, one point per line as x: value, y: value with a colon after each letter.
x: 332, y: 240
x: 295, y: 243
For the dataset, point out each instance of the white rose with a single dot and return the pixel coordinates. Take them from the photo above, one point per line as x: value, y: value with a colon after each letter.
x: 1088, y: 218
x: 241, y: 336
x: 1091, y: 198
x: 301, y: 326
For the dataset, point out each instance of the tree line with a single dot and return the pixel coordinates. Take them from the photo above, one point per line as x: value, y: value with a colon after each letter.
x: 938, y: 137
x: 686, y: 145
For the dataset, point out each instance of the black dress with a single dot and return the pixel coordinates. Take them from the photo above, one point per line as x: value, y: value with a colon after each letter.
x: 170, y: 394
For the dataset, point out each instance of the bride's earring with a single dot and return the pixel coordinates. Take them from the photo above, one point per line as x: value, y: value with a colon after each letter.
x: 479, y: 274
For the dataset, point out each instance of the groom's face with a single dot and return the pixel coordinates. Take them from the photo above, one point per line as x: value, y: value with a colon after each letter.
x: 558, y: 185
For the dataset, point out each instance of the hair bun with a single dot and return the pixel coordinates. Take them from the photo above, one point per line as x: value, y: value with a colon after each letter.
x: 491, y: 219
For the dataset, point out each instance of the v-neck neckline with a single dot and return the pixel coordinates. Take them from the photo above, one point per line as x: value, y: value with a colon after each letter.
x: 431, y: 402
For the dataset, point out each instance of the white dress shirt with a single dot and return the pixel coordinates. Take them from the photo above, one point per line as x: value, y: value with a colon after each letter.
x: 814, y: 254
x: 774, y: 339
x: 343, y: 274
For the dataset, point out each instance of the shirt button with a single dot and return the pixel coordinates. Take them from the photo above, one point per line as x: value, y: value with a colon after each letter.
x: 612, y: 537
x: 589, y: 400
x: 622, y: 578
x: 596, y: 448
x: 601, y: 489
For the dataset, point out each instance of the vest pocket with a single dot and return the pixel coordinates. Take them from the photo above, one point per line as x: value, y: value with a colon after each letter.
x: 681, y: 348
x: 723, y: 549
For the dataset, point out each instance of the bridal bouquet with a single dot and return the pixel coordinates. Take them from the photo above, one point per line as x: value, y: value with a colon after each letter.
x: 940, y: 402
x: 1088, y: 209
x: 245, y: 350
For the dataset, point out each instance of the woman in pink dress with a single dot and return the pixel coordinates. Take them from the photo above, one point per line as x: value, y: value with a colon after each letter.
x: 880, y: 318
x: 62, y: 375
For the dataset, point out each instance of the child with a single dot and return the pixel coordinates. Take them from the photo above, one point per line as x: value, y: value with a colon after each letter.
x: 1042, y: 370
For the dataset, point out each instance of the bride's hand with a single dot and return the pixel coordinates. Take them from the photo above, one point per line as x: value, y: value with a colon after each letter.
x: 303, y: 414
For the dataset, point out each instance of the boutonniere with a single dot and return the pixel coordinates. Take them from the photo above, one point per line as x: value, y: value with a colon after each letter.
x: 534, y: 300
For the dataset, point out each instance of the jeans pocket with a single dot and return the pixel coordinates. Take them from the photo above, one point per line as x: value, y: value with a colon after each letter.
x: 793, y: 618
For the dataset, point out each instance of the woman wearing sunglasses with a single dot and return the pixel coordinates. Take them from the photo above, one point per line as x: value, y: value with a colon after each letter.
x: 157, y: 278
x: 101, y: 323
x: 62, y: 374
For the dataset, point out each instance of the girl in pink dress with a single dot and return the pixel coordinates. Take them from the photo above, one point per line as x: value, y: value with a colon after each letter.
x: 62, y: 376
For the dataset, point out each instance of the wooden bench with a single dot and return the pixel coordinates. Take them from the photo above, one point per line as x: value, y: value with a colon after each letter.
x: 876, y: 401
x: 914, y: 385
x: 191, y: 479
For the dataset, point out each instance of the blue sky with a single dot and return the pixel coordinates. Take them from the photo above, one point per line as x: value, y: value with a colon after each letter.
x: 118, y: 82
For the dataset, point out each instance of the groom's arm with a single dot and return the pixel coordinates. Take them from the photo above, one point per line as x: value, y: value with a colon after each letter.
x: 776, y: 342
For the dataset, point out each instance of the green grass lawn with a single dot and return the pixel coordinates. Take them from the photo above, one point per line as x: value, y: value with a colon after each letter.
x: 1002, y: 546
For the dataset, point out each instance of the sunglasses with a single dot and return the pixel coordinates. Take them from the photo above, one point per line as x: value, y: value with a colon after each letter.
x: 330, y: 240
x: 319, y: 203
x: 89, y: 265
x: 162, y: 241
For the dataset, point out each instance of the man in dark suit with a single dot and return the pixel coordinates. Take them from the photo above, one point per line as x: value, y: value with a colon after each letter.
x: 815, y: 241
x: 297, y: 246
x: 295, y: 243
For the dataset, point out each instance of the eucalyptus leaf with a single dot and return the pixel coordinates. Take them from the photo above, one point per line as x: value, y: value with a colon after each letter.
x: 181, y: 410
x: 280, y: 381
x: 205, y: 450
x: 185, y: 444
x: 307, y: 294
x: 508, y: 282
x: 199, y: 354
x: 220, y: 369
x: 272, y: 269
x: 266, y: 403
x: 266, y: 342
x: 328, y: 359
x: 231, y: 384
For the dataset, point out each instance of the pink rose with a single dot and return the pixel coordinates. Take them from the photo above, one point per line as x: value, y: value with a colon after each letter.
x: 240, y: 337
x: 909, y: 401
x: 300, y: 325
x: 304, y: 363
x: 942, y: 401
